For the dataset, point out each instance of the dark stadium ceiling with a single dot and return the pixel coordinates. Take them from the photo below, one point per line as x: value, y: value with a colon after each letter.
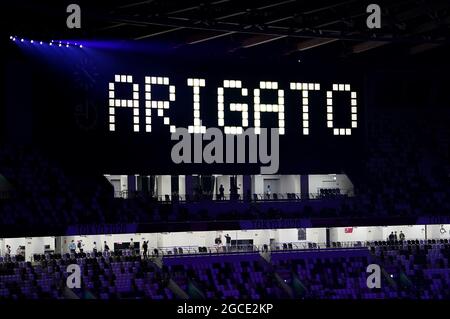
x: 282, y: 28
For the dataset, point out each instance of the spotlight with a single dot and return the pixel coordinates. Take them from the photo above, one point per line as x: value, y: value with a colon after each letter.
x: 21, y: 40
x: 31, y: 41
x: 40, y: 42
x: 67, y: 45
x: 11, y: 37
x: 59, y: 45
x: 81, y: 46
x: 51, y: 43
x: 14, y: 39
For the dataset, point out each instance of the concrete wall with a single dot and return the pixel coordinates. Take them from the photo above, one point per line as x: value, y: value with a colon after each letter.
x: 288, y: 183
x: 182, y: 185
x: 376, y: 233
x: 438, y: 231
x: 164, y: 185
x: 340, y: 181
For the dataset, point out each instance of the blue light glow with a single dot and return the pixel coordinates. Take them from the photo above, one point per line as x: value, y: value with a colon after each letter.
x: 51, y: 42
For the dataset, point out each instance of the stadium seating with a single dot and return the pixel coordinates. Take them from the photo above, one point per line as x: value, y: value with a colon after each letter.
x: 404, y: 175
x: 410, y: 271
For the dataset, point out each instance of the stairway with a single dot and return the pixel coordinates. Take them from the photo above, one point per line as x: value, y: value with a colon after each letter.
x: 172, y: 285
x: 265, y: 255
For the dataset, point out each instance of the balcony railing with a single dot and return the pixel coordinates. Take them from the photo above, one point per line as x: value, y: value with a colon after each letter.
x: 255, y: 197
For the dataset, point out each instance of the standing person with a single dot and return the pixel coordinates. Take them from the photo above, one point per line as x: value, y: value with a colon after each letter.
x: 401, y: 236
x: 218, y: 242
x: 72, y: 247
x: 94, y: 249
x: 395, y: 236
x: 268, y: 192
x: 8, y: 251
x: 391, y: 236
x: 80, y: 246
x: 145, y: 247
x: 228, y: 241
x: 106, y: 249
x: 221, y: 192
x: 131, y: 247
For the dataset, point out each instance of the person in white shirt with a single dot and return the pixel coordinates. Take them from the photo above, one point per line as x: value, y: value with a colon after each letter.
x: 72, y: 247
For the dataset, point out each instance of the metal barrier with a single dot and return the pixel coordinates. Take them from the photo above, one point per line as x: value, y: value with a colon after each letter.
x: 237, y: 249
x: 223, y: 249
x: 255, y: 197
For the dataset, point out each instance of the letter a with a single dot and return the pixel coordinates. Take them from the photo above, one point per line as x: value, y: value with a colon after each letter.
x: 374, y: 279
x: 74, y: 19
x: 74, y: 279
x: 374, y: 19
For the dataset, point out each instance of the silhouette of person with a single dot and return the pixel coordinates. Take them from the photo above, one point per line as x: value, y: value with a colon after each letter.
x: 391, y: 236
x: 145, y: 247
x: 268, y: 192
x: 221, y: 192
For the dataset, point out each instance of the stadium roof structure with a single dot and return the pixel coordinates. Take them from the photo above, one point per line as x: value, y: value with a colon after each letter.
x: 279, y: 28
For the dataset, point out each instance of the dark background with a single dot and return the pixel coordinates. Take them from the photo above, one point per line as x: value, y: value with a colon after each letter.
x: 68, y: 93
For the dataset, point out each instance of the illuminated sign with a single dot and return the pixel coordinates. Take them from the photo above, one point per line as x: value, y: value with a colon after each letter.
x: 129, y: 112
x: 255, y: 104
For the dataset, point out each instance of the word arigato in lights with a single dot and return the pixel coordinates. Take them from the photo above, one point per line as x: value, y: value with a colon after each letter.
x: 259, y: 106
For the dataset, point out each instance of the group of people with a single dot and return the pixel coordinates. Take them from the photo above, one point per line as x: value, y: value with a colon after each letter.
x: 79, y: 247
x: 393, y: 236
x: 218, y: 241
x: 19, y: 252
